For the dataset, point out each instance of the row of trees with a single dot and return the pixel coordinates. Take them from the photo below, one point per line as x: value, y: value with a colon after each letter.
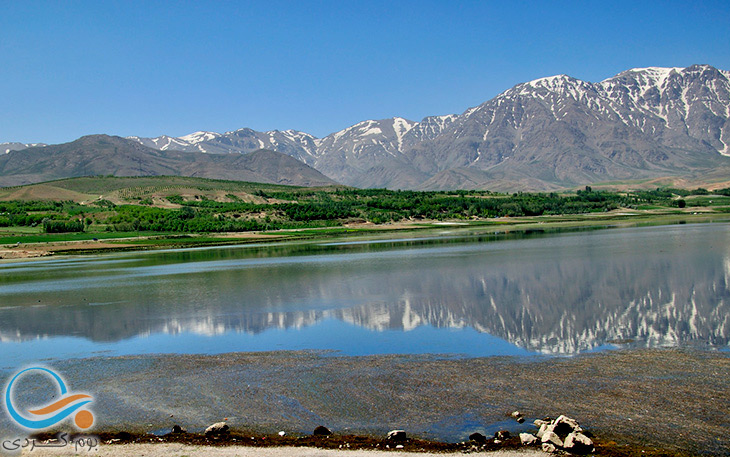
x: 316, y: 208
x: 51, y: 226
x: 381, y: 205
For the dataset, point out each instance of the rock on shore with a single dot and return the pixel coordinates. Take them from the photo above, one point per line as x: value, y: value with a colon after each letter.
x: 562, y: 433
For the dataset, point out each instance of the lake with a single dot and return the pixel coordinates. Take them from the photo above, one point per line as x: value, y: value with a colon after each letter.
x: 457, y: 294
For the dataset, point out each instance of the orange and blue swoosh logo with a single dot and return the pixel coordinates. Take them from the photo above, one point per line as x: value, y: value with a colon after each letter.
x: 49, y: 415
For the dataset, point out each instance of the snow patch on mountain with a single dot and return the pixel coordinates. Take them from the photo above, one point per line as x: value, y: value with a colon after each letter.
x: 401, y: 127
x: 199, y: 137
x: 14, y: 146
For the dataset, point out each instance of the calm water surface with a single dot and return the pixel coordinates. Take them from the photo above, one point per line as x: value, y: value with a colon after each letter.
x: 457, y: 295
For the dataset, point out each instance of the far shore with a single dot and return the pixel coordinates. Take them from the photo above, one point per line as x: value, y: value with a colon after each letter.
x: 612, y: 219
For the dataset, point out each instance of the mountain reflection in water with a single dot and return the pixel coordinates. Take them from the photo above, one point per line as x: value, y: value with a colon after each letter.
x: 561, y: 294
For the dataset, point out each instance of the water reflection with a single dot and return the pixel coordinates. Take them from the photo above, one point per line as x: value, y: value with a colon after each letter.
x: 555, y: 294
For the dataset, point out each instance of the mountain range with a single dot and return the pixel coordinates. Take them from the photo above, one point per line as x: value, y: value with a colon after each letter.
x: 103, y: 155
x: 551, y: 133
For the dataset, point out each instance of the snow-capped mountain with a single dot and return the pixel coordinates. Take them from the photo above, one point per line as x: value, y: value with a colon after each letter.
x: 560, y: 131
x: 355, y: 150
x: 95, y: 155
x: 297, y: 144
x: 7, y: 147
x: 550, y: 133
x: 163, y: 143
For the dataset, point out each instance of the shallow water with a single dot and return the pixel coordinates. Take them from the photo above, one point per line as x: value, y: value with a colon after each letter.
x: 458, y: 295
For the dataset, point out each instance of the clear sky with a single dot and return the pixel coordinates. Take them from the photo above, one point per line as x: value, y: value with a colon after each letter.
x: 71, y: 68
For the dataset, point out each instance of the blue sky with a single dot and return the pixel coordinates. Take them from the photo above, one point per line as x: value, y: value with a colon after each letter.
x: 71, y: 68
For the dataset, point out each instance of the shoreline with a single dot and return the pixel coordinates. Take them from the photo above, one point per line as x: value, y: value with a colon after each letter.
x: 660, y: 401
x: 238, y: 444
x: 592, y: 221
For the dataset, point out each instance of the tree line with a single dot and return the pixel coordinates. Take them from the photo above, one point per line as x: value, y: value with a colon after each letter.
x: 317, y: 208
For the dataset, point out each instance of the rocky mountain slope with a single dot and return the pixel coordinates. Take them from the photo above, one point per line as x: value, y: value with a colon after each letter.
x: 104, y: 155
x: 550, y: 133
x: 560, y: 131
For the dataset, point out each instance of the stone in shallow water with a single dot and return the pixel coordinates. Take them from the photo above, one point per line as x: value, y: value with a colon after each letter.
x: 578, y: 443
x: 177, y: 429
x: 527, y: 439
x: 564, y: 425
x: 502, y: 435
x: 478, y: 438
x: 397, y: 435
x: 321, y: 431
x: 219, y: 428
x: 553, y: 438
x: 518, y: 417
x: 539, y: 422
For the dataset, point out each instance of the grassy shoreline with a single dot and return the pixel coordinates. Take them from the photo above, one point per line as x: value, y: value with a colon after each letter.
x: 107, y: 214
x: 33, y: 245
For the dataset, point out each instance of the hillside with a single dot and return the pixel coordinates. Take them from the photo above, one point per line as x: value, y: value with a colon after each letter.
x: 108, y: 155
x: 121, y: 190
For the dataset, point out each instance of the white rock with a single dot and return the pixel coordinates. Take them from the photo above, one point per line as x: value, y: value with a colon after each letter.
x: 547, y: 447
x: 543, y: 429
x: 552, y: 437
x: 397, y: 435
x: 527, y: 439
x: 578, y: 443
x: 572, y: 423
x: 218, y: 428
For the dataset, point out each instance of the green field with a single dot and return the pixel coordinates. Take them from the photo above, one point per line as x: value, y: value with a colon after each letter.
x: 61, y: 237
x: 156, y: 211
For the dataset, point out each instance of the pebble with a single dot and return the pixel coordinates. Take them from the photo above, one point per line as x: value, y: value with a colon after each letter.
x: 502, y: 435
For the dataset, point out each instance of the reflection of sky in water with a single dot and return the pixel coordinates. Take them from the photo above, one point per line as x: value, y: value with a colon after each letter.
x: 329, y: 334
x: 558, y: 294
